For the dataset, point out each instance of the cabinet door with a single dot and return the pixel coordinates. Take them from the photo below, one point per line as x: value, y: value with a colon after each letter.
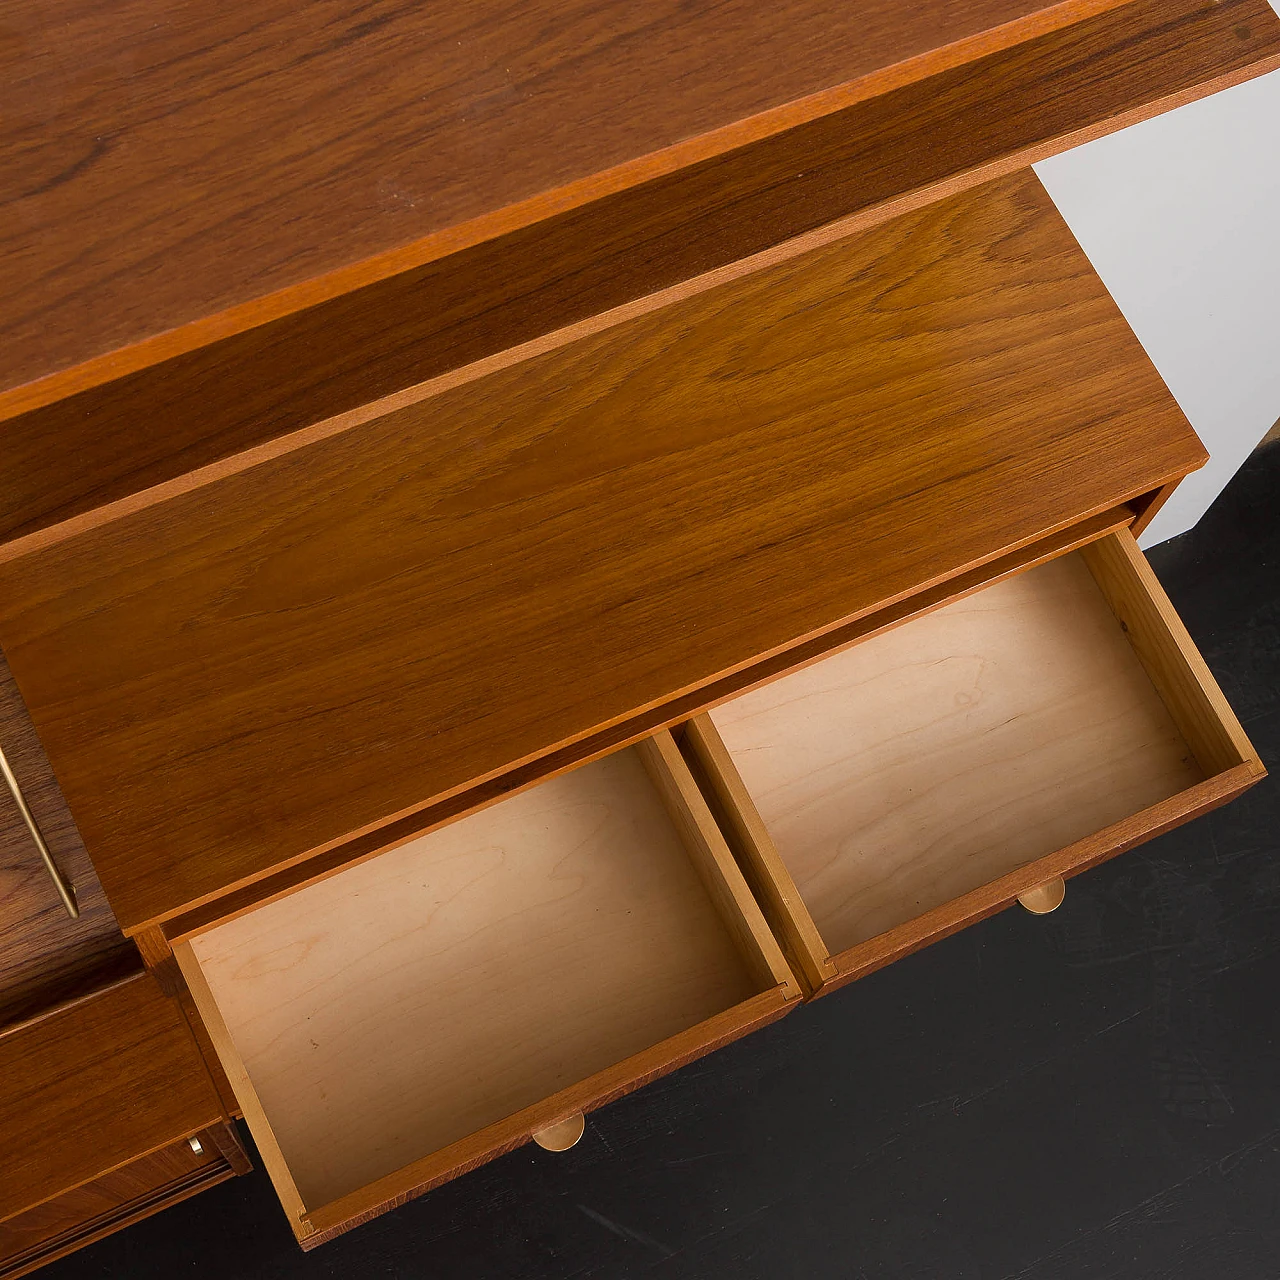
x: 95, y: 1085
x: 117, y: 1199
x: 46, y: 955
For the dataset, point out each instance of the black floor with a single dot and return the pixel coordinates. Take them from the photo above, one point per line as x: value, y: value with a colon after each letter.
x: 1092, y: 1094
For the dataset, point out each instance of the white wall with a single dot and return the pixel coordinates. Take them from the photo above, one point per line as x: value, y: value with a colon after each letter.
x: 1181, y: 218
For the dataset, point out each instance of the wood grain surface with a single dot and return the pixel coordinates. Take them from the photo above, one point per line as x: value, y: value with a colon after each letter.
x: 271, y: 663
x: 392, y: 1011
x: 94, y: 1087
x: 924, y: 763
x: 671, y: 714
x: 925, y: 138
x: 116, y: 1200
x: 164, y: 165
x: 45, y: 956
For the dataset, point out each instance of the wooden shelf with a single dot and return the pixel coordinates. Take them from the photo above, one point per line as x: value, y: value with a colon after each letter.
x: 445, y: 587
x: 132, y: 371
x: 196, y: 162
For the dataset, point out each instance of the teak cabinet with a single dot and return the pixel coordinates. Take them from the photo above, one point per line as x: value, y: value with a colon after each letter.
x: 539, y: 573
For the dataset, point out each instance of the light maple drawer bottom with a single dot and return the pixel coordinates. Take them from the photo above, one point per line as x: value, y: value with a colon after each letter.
x: 886, y: 796
x: 421, y: 1012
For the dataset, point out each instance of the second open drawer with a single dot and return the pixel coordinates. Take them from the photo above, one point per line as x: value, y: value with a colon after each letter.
x: 421, y: 1012
x: 886, y: 796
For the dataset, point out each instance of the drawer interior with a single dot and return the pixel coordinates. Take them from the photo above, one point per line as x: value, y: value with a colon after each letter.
x: 417, y: 999
x: 905, y: 772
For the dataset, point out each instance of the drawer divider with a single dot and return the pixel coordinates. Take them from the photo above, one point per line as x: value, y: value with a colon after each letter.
x: 783, y: 906
x: 715, y: 864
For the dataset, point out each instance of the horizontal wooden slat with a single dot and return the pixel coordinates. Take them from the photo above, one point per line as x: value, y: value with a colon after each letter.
x: 272, y: 663
x: 860, y: 162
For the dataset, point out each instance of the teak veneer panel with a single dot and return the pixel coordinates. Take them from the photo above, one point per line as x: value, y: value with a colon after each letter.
x: 669, y: 713
x: 415, y: 1000
x: 861, y: 158
x: 440, y: 589
x: 177, y: 163
x: 922, y: 763
x: 95, y: 1086
x: 45, y: 956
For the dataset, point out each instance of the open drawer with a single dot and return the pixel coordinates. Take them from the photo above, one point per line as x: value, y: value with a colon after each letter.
x: 423, y: 1011
x: 888, y: 795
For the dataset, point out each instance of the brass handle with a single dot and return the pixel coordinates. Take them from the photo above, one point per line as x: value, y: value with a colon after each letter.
x: 1044, y: 897
x: 561, y: 1135
x: 65, y: 890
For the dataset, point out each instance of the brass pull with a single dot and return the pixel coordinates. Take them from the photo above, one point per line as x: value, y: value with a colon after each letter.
x: 1044, y: 897
x: 65, y: 890
x: 562, y: 1135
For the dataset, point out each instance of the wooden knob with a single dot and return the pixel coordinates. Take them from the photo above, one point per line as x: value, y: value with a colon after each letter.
x: 562, y: 1135
x: 1044, y: 897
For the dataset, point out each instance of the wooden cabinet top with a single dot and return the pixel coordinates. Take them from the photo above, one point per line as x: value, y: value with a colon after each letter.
x: 227, y: 224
